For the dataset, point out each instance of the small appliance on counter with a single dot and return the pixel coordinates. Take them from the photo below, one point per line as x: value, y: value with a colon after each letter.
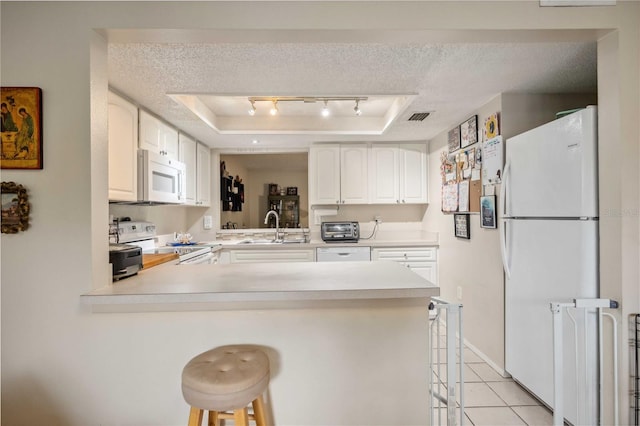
x: 343, y: 232
x: 126, y: 260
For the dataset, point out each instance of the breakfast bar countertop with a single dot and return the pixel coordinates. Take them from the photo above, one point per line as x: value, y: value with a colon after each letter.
x: 263, y: 286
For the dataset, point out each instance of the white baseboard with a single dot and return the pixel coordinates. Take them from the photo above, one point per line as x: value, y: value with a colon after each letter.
x: 486, y: 359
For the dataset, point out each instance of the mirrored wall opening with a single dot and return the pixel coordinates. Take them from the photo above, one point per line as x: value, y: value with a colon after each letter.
x: 253, y: 184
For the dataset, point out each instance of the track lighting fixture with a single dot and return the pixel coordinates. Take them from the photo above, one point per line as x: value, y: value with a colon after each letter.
x: 325, y: 110
x: 306, y: 99
x: 274, y: 108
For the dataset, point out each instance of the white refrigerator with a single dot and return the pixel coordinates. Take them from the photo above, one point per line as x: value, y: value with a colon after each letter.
x: 549, y: 235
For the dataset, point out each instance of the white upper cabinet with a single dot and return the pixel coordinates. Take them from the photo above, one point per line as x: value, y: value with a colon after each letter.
x: 197, y: 160
x: 384, y: 174
x: 413, y: 174
x: 123, y: 145
x: 157, y: 136
x: 203, y: 176
x: 354, y: 174
x: 324, y: 174
x: 398, y: 174
x: 338, y: 174
x: 187, y: 154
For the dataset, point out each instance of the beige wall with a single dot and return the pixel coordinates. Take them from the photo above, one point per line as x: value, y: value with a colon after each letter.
x: 63, y: 365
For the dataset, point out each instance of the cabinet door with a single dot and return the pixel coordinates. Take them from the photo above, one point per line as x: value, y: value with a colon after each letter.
x: 324, y: 174
x: 123, y: 144
x: 427, y: 270
x: 354, y: 174
x: 203, y: 181
x: 169, y: 141
x: 413, y: 174
x: 188, y: 157
x: 150, y: 133
x: 384, y: 174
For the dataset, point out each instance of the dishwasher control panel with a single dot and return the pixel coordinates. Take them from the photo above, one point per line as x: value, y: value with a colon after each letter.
x: 343, y: 254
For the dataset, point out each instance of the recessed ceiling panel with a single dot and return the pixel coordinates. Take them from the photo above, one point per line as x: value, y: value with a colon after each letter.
x: 296, y: 114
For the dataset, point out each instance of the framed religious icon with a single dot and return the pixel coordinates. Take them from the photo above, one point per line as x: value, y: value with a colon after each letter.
x: 15, y: 208
x: 21, y: 127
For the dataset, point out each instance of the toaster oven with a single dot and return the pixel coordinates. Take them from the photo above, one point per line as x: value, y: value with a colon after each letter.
x: 340, y: 231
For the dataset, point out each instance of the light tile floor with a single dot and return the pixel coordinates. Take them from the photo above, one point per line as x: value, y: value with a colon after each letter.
x: 492, y: 400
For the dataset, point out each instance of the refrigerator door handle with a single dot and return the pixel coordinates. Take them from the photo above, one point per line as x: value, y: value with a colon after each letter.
x: 503, y: 248
x: 503, y: 228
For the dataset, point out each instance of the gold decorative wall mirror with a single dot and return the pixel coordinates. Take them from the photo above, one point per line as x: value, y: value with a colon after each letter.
x: 15, y: 208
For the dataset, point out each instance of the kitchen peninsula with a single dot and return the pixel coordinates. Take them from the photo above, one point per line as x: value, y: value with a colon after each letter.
x: 348, y: 341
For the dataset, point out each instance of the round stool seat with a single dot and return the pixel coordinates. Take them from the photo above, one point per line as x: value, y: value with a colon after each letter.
x: 225, y: 378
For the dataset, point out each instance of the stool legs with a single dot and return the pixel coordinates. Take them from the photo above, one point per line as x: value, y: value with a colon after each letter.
x: 259, y: 412
x: 240, y: 416
x: 195, y: 416
x: 213, y: 418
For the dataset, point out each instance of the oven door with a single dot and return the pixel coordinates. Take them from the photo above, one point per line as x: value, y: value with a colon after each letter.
x: 208, y: 258
x: 160, y: 179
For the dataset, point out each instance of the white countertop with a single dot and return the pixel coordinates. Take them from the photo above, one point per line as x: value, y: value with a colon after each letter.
x: 382, y: 239
x: 261, y: 285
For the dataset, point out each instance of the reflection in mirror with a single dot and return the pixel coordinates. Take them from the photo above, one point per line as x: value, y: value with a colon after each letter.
x: 269, y: 181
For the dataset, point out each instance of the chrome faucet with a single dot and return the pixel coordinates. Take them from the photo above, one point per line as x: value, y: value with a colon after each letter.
x: 266, y: 221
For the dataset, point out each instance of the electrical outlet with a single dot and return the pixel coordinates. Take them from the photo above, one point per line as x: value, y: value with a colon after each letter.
x: 377, y: 219
x: 459, y: 293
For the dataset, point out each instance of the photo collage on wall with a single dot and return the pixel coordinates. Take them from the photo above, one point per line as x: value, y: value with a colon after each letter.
x: 471, y: 156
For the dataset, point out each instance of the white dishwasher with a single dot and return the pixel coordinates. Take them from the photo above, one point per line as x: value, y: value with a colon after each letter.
x: 343, y: 254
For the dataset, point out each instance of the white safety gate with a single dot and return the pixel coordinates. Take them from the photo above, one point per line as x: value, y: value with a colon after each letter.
x: 447, y: 317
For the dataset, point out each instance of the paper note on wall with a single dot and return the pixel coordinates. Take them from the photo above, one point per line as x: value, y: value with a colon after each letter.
x: 492, y: 161
x: 450, y: 197
x: 463, y: 196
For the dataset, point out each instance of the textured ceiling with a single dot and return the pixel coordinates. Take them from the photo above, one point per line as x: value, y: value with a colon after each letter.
x: 450, y: 79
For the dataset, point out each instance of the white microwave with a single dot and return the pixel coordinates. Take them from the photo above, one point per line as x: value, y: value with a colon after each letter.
x: 160, y: 179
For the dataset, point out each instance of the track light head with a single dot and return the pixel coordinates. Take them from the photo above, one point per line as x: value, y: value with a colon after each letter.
x: 274, y: 108
x: 357, y: 108
x: 325, y: 110
x: 252, y: 110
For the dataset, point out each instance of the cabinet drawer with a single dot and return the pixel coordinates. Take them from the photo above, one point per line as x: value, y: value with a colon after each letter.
x: 405, y: 254
x: 256, y: 256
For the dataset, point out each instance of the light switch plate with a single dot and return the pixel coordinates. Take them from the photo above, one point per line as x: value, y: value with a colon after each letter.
x: 207, y: 222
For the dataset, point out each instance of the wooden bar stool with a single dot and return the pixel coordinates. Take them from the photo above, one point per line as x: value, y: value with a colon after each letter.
x: 224, y: 381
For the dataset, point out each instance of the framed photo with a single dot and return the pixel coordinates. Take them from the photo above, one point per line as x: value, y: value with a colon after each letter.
x: 292, y: 190
x: 469, y: 132
x: 15, y: 208
x: 488, y: 211
x: 21, y: 127
x: 461, y: 226
x: 453, y: 139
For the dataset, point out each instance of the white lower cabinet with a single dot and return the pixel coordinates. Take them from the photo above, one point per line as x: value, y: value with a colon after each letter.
x: 422, y: 260
x: 270, y: 256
